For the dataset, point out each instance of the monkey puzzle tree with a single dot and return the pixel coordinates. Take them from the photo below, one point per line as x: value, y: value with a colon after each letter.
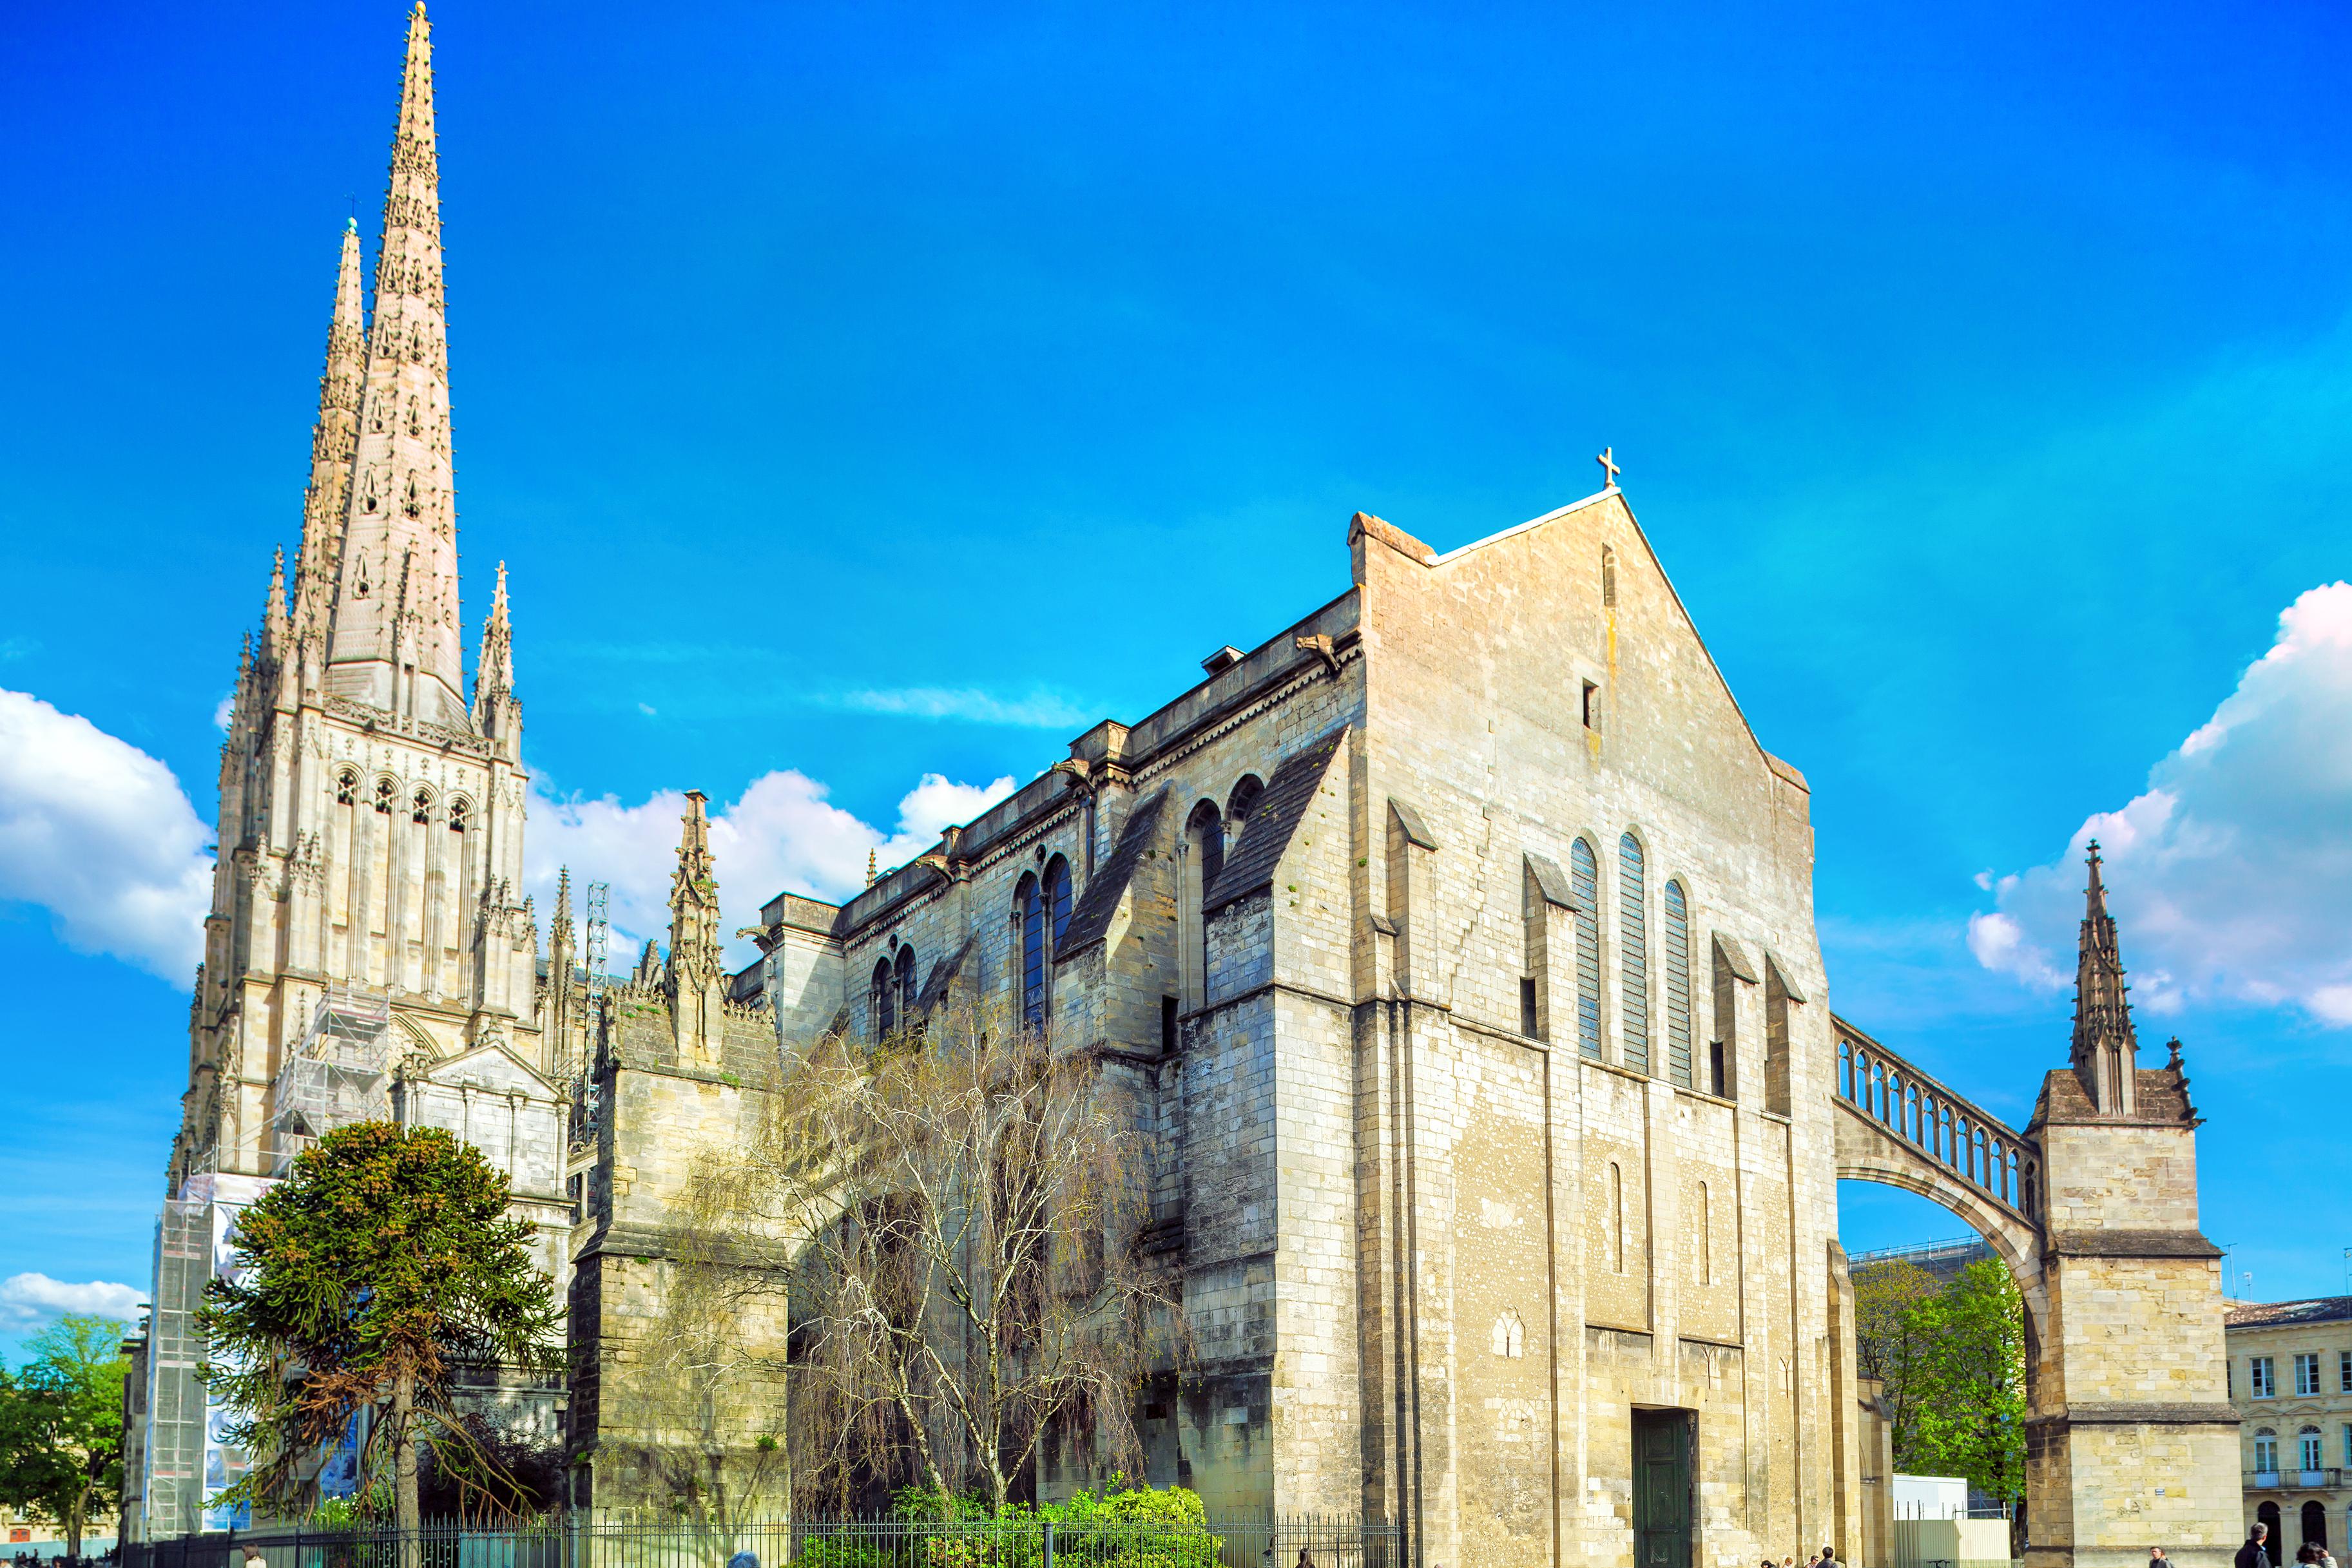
x: 384, y: 1264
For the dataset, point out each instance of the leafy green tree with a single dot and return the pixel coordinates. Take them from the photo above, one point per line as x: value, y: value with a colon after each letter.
x: 1888, y: 1344
x: 61, y: 1425
x: 384, y: 1264
x: 1971, y: 1387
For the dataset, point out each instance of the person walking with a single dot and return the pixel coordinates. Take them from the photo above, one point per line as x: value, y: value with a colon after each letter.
x: 2254, y: 1554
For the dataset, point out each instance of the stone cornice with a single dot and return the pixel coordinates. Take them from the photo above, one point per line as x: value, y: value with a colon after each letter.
x: 2111, y: 1243
x: 2198, y: 1414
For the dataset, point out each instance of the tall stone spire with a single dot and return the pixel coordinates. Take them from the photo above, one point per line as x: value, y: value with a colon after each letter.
x: 400, y: 650
x: 696, y: 978
x: 2105, y: 1053
x: 333, y: 441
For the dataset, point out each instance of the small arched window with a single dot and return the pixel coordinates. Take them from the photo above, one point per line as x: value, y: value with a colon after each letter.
x: 1845, y: 1068
x: 457, y: 811
x: 1584, y: 887
x: 1242, y: 801
x: 1633, y: 951
x: 384, y: 791
x: 1029, y: 916
x: 347, y: 788
x: 1678, y: 991
x: 905, y: 973
x: 420, y: 807
x: 884, y: 1002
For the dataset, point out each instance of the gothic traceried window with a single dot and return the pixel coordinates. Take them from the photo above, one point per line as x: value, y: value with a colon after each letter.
x: 905, y: 973
x: 458, y: 815
x: 420, y: 809
x: 347, y: 788
x: 384, y: 791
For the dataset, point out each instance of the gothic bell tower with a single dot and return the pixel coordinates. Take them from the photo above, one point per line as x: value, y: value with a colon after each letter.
x: 371, y: 824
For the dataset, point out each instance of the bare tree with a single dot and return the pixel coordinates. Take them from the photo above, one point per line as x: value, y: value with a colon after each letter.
x: 952, y: 1215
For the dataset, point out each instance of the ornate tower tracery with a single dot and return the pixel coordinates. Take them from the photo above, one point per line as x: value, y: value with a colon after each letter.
x: 370, y: 820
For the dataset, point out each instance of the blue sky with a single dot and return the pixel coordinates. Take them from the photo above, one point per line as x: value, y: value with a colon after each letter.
x: 864, y: 392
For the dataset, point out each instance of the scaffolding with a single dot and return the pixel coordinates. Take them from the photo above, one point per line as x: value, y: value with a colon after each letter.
x: 339, y: 1074
x: 175, y: 1400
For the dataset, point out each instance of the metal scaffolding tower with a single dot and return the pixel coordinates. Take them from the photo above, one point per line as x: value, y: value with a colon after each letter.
x: 340, y: 1074
x: 175, y: 1400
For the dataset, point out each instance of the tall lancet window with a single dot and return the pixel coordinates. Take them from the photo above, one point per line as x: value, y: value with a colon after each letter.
x: 1584, y: 886
x: 1678, y: 991
x: 1029, y: 917
x: 1633, y: 952
x: 1057, y: 898
x: 884, y: 1002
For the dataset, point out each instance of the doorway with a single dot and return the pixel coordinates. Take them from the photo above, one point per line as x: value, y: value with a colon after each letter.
x: 1662, y: 1488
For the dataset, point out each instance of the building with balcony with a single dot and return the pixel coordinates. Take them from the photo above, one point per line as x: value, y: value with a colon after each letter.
x: 2291, y: 1380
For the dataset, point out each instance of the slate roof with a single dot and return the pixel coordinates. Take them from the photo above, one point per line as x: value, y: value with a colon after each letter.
x: 1090, y: 921
x: 1278, y: 812
x: 2160, y: 1094
x: 2274, y: 1315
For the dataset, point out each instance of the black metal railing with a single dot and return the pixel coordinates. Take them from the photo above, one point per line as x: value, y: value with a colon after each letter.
x: 581, y: 1541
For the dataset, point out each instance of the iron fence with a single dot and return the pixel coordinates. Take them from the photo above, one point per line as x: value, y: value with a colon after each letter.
x: 582, y: 1542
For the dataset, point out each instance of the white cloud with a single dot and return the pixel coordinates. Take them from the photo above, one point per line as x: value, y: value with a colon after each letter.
x: 100, y: 833
x: 224, y: 711
x: 29, y: 1302
x: 781, y: 833
x: 2232, y: 873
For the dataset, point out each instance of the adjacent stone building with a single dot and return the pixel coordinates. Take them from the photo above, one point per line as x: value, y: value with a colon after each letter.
x: 2291, y: 1380
x: 1461, y: 937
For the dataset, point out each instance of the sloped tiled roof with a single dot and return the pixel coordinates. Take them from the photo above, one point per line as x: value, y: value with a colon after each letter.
x: 2275, y: 1314
x: 1272, y: 822
x: 1090, y: 921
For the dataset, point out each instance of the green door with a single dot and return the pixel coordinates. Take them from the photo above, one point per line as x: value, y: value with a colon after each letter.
x: 1662, y: 1489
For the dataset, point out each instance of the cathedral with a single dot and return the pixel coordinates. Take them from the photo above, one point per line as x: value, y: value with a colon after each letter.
x: 1458, y: 943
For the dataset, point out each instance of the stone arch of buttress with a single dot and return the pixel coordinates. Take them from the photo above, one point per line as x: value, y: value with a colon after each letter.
x: 1867, y: 1152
